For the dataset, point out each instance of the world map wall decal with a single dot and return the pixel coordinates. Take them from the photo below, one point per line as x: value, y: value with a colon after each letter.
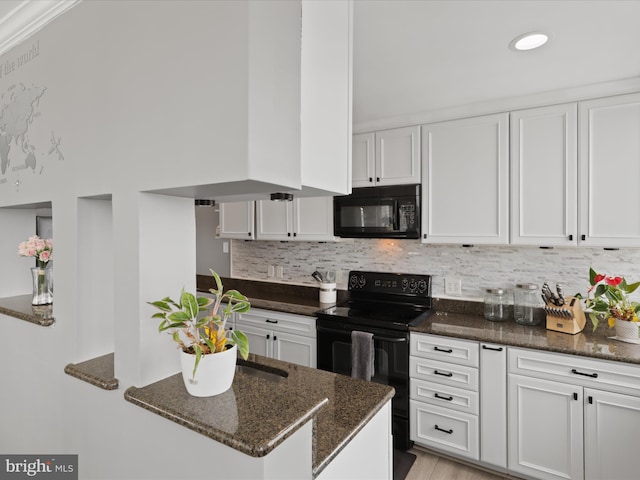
x: 20, y: 150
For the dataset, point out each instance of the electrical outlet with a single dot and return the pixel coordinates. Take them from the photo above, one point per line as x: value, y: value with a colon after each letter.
x: 452, y: 286
x: 271, y: 271
x: 279, y: 271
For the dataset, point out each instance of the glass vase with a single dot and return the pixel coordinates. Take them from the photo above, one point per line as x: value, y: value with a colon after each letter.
x: 42, y: 285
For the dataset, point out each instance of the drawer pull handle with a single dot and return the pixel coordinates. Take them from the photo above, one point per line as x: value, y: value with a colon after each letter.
x: 448, y: 399
x: 495, y: 349
x: 268, y: 320
x: 444, y: 374
x: 443, y: 430
x: 592, y: 375
x: 444, y: 350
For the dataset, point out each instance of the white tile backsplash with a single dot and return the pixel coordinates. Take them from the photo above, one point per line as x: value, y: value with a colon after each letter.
x: 478, y: 267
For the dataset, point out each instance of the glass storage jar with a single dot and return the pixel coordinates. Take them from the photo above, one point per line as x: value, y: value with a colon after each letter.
x: 496, y: 304
x: 526, y: 299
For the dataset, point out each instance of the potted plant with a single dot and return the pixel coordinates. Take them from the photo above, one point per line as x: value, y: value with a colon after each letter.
x: 608, y: 299
x: 208, y: 350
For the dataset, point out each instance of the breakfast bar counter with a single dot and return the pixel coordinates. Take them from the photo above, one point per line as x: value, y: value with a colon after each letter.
x: 267, y: 403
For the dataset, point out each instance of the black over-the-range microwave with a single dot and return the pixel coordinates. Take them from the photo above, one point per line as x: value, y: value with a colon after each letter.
x: 378, y: 212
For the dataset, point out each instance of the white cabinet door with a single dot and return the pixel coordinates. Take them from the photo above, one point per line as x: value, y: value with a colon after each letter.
x: 545, y: 429
x: 611, y: 425
x: 260, y: 339
x: 493, y: 404
x: 609, y: 156
x: 313, y: 219
x: 465, y: 182
x: 237, y: 220
x: 363, y: 160
x: 397, y: 155
x: 294, y: 349
x: 544, y: 176
x: 273, y: 220
x: 307, y: 218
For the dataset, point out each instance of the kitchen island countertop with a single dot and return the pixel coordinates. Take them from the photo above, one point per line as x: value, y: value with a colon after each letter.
x: 258, y: 413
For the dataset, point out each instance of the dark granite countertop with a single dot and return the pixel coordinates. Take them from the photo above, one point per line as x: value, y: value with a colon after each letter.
x: 297, y: 299
x: 257, y: 414
x: 20, y: 307
x: 587, y: 343
x: 97, y: 371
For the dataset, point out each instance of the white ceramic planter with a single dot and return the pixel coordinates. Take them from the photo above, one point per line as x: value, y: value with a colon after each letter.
x: 214, y: 375
x: 626, y: 330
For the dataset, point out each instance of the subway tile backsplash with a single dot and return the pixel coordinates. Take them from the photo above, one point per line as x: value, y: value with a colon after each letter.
x: 478, y: 267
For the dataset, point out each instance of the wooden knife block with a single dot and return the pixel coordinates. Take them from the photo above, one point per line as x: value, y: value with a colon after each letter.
x: 574, y: 324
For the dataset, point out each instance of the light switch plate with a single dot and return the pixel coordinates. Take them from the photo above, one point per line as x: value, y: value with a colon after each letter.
x: 452, y: 286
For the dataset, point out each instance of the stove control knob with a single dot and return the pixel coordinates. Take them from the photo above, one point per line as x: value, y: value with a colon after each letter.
x: 353, y: 281
x: 422, y: 286
x: 362, y: 281
x: 412, y: 285
x: 405, y: 284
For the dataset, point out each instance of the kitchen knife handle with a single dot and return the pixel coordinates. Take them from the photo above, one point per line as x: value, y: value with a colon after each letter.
x: 576, y: 372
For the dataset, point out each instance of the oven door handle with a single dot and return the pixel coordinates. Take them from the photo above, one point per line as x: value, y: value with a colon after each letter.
x: 375, y: 337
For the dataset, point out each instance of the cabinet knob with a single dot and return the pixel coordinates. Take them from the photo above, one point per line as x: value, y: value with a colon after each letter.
x: 583, y: 237
x: 371, y: 179
x: 377, y: 179
x: 424, y: 235
x: 249, y: 233
x: 295, y: 234
x: 288, y: 234
x: 570, y: 237
x: 275, y: 338
x: 268, y: 336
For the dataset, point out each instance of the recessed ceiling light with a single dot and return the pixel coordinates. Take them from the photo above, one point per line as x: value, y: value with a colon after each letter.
x: 529, y: 41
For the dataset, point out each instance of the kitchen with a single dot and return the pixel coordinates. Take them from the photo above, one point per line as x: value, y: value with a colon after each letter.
x: 477, y: 267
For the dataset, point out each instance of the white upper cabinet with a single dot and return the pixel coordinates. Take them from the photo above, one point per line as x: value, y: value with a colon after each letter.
x: 465, y: 180
x: 364, y: 160
x: 305, y: 218
x: 388, y: 157
x: 544, y: 176
x: 609, y: 163
x: 237, y: 220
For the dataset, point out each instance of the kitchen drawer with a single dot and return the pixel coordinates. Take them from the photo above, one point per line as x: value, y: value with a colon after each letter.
x: 445, y: 396
x: 444, y: 373
x: 605, y: 375
x: 445, y: 429
x: 445, y: 349
x: 282, y: 322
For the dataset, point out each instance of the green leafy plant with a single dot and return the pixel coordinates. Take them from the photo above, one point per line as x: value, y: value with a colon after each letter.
x: 203, y: 334
x: 608, y: 299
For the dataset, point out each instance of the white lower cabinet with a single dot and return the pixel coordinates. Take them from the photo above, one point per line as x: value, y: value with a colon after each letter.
x: 612, y: 423
x: 564, y: 425
x: 286, y: 337
x: 493, y: 404
x: 444, y: 394
x: 545, y: 428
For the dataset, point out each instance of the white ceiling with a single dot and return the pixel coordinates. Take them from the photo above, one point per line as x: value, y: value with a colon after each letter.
x: 424, y: 55
x: 414, y: 56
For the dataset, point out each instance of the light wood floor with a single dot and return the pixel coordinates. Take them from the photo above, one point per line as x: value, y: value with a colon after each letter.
x: 432, y: 467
